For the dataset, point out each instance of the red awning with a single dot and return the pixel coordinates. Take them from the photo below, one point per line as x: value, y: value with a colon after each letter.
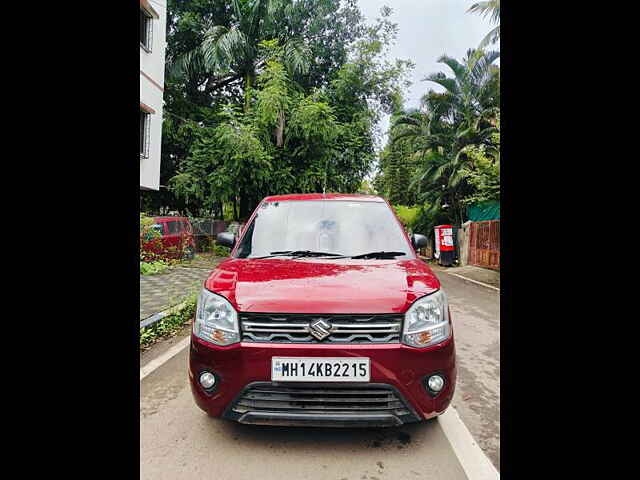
x: 146, y: 108
x: 145, y: 5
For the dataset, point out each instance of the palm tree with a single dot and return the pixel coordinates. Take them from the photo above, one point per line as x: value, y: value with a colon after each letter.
x: 449, y: 124
x: 472, y: 90
x: 469, y: 104
x: 492, y: 9
x: 426, y: 130
x: 232, y: 53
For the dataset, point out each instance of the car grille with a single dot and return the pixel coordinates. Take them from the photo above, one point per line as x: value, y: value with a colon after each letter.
x: 295, y: 328
x: 334, y: 400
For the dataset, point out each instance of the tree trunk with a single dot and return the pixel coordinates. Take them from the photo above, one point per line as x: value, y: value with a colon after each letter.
x: 244, y: 206
x: 280, y: 130
x: 244, y: 199
x: 459, y: 210
x: 214, y: 83
x: 221, y: 210
x: 247, y: 90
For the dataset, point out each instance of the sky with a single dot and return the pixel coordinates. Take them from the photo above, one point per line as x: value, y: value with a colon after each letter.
x: 428, y: 29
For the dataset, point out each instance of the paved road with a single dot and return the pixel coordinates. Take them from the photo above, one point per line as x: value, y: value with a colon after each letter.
x: 161, y: 291
x: 475, y: 311
x: 177, y: 440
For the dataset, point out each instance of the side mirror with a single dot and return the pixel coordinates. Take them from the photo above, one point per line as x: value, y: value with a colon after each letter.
x: 226, y: 239
x: 418, y: 241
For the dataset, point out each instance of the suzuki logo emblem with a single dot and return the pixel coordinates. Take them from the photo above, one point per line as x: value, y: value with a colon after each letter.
x: 320, y: 329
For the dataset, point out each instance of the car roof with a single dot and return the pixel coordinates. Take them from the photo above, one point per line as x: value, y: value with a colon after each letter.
x: 324, y: 196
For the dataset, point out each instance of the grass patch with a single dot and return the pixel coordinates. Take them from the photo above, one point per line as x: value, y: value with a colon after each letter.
x: 159, y: 266
x: 170, y: 324
x: 153, y: 268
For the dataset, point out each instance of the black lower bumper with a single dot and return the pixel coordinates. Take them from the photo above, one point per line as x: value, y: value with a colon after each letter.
x: 323, y: 420
x: 321, y: 405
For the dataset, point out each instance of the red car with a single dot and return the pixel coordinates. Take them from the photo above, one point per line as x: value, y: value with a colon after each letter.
x: 323, y: 315
x: 176, y: 240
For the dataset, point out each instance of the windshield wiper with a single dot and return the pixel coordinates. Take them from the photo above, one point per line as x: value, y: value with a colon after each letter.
x: 381, y: 254
x: 300, y: 253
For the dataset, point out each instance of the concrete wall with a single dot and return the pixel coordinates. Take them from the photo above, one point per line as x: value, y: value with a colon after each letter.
x: 151, y: 93
x: 463, y: 243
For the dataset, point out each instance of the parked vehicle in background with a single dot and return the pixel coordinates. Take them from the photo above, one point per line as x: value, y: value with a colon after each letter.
x: 235, y: 228
x: 205, y: 231
x: 176, y: 238
x: 323, y: 316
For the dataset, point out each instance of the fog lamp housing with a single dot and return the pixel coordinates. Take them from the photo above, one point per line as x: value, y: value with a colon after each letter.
x: 207, y: 380
x: 434, y: 384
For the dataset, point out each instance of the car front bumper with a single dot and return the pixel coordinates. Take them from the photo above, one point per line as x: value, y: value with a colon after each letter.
x: 398, y: 373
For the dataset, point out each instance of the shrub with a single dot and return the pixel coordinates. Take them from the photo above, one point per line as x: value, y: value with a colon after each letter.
x: 150, y: 241
x: 407, y: 215
x: 151, y: 268
x: 427, y: 218
x: 221, y: 251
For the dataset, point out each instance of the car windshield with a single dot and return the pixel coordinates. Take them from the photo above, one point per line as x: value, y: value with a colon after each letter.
x: 336, y: 227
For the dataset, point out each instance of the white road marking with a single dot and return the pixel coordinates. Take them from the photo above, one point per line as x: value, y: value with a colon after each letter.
x: 166, y: 356
x: 471, y: 280
x: 474, y: 462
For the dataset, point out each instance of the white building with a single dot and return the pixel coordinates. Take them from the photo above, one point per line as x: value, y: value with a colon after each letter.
x: 153, y: 24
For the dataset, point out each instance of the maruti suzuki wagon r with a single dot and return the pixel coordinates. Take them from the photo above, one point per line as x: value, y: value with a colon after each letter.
x: 323, y: 315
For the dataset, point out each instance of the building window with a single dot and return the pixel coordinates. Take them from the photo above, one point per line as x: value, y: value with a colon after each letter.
x: 145, y: 122
x: 146, y: 30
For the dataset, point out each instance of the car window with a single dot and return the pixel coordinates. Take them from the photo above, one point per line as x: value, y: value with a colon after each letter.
x: 173, y: 226
x: 344, y: 227
x: 150, y: 235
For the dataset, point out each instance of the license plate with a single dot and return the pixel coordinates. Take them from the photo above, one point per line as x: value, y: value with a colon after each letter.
x: 320, y: 369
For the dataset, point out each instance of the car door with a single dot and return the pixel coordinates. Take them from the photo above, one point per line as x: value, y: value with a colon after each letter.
x: 173, y: 238
x: 188, y: 234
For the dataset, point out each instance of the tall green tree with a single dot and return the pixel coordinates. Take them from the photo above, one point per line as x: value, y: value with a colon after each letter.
x: 231, y: 52
x: 197, y: 93
x: 449, y: 125
x: 471, y: 100
x: 308, y: 132
x: 483, y: 172
x: 397, y: 166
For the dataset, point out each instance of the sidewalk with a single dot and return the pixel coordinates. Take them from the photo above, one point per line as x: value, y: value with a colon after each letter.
x: 159, y: 292
x: 484, y: 275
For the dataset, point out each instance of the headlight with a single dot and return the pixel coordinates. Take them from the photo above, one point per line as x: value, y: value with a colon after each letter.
x: 216, y: 320
x: 427, y: 321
